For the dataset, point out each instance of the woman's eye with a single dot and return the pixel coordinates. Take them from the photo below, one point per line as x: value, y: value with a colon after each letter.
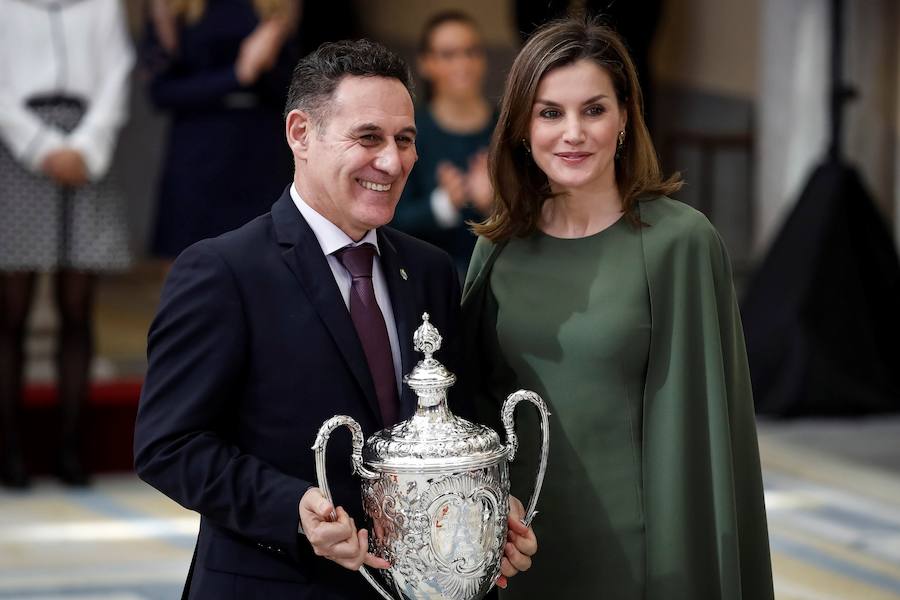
x: 595, y: 111
x: 549, y: 113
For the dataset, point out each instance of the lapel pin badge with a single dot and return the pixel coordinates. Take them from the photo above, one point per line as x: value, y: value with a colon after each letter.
x: 403, y: 274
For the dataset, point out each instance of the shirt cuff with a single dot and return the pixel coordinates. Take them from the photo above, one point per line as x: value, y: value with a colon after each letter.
x: 44, y: 142
x: 445, y: 214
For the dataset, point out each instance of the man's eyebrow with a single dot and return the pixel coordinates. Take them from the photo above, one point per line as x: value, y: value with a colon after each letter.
x: 366, y: 128
x: 373, y: 128
x: 588, y: 101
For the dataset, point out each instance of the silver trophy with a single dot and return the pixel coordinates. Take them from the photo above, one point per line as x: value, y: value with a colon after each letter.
x: 436, y: 488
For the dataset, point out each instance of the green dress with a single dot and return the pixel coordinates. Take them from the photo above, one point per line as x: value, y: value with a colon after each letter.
x: 573, y: 324
x: 632, y: 336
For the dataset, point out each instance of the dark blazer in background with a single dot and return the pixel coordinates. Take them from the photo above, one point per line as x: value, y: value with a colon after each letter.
x: 225, y: 158
x: 251, y: 351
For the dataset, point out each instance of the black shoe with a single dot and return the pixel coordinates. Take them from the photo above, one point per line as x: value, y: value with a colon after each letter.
x: 13, y: 473
x: 71, y: 470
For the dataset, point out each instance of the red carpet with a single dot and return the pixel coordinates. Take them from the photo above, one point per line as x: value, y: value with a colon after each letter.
x: 108, y: 426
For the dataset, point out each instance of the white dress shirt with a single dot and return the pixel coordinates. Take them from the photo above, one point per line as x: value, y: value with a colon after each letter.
x: 74, y: 48
x: 331, y: 239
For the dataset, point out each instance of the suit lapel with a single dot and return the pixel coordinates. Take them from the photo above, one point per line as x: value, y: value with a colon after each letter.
x: 400, y: 285
x: 303, y: 255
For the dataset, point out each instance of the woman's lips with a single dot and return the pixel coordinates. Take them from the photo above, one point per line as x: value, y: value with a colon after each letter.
x: 573, y: 157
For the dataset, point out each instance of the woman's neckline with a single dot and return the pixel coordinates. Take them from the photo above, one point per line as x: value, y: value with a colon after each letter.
x: 600, y: 232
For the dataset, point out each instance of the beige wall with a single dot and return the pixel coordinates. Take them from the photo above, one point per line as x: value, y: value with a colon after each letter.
x: 401, y: 20
x: 710, y: 45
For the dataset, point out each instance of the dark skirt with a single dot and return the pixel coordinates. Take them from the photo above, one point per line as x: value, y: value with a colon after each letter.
x: 44, y: 226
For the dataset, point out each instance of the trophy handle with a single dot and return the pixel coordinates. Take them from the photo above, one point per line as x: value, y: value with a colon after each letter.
x: 512, y: 441
x: 358, y: 467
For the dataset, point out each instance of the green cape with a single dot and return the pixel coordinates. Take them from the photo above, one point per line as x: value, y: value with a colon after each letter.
x: 705, y: 519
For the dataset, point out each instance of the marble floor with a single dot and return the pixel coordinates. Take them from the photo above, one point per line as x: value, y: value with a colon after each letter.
x: 834, y: 527
x: 832, y: 493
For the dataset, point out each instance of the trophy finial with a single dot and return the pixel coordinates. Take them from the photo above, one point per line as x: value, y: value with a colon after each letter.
x: 426, y: 339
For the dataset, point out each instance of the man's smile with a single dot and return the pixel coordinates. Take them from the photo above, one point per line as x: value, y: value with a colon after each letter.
x: 375, y: 187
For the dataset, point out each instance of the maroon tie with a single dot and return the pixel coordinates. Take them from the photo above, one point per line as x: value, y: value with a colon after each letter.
x: 370, y: 327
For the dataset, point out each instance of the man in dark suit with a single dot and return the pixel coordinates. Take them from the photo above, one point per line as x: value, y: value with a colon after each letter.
x: 267, y: 331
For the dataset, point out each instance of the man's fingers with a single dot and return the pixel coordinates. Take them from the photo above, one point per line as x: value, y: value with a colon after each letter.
x: 349, y: 546
x: 526, y: 544
x: 502, y: 582
x: 516, y: 524
x: 518, y: 560
x: 338, y: 540
x: 342, y: 517
x: 361, y: 556
x: 324, y: 536
x: 376, y: 562
x: 316, y: 503
x: 506, y: 568
x: 516, y: 508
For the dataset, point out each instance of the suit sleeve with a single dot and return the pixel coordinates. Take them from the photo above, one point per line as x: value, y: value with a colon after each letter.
x: 197, y: 353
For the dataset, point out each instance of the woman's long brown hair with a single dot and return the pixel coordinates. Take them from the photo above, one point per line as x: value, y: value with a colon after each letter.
x: 520, y: 187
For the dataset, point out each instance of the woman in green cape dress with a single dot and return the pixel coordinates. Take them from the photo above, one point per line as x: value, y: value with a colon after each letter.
x: 615, y: 303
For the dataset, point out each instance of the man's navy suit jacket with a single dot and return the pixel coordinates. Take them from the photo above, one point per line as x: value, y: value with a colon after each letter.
x: 251, y: 351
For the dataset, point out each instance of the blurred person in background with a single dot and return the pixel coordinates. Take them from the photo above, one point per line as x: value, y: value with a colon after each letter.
x: 221, y: 69
x: 64, y: 69
x: 450, y: 183
x: 614, y: 302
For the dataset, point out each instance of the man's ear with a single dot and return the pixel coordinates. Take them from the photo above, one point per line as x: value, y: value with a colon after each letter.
x: 298, y: 129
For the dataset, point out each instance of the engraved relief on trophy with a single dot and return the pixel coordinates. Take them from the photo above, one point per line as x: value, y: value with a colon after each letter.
x: 436, y: 488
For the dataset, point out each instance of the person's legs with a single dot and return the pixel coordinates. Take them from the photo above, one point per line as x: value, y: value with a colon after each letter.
x: 16, y: 292
x: 75, y: 299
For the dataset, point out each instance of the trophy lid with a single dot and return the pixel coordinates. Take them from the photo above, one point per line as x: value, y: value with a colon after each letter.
x: 434, y: 439
x: 428, y: 375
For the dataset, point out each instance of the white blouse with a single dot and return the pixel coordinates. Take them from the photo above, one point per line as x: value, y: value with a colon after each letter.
x: 73, y: 48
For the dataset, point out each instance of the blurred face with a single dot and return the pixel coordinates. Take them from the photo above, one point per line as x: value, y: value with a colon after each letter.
x: 575, y: 123
x: 454, y: 63
x: 352, y: 167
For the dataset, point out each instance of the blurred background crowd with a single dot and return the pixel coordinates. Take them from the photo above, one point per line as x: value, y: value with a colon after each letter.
x: 131, y: 129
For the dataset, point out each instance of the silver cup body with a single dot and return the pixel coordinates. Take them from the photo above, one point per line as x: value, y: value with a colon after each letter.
x: 443, y: 533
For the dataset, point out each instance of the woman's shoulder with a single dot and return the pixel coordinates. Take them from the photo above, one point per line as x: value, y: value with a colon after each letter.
x: 678, y: 231
x: 483, y: 249
x: 481, y: 255
x: 672, y: 219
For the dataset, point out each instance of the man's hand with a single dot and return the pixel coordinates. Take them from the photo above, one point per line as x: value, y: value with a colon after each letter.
x: 521, y: 544
x: 333, y: 534
x: 65, y: 167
